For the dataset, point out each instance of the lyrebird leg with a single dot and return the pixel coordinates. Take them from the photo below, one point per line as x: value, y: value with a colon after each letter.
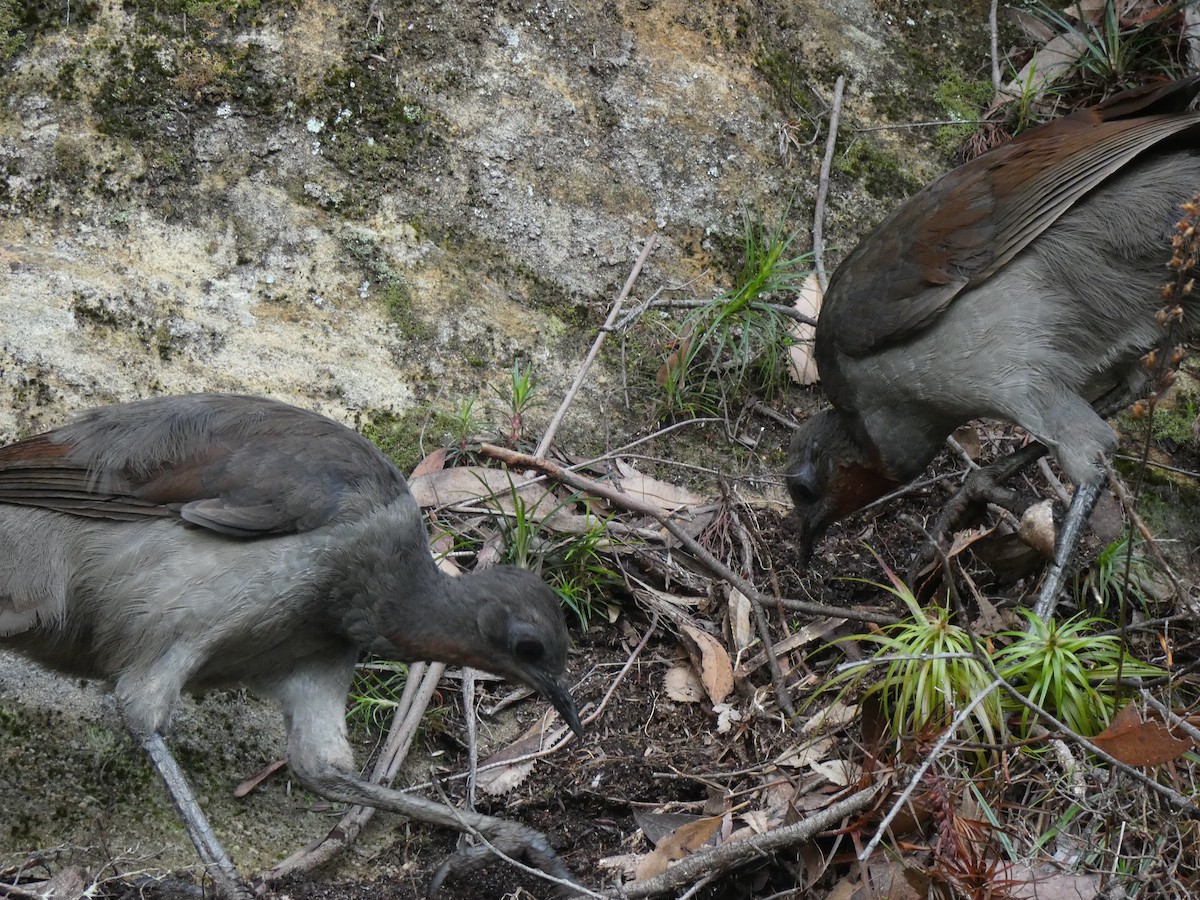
x: 313, y: 698
x: 1074, y: 522
x: 216, y: 861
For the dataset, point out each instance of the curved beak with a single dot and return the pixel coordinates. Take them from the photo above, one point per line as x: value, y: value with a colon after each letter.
x: 560, y: 698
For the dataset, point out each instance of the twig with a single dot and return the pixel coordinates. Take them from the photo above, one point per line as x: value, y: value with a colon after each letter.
x: 835, y: 111
x: 625, y: 501
x: 946, y: 736
x: 993, y: 29
x: 552, y: 428
x: 468, y: 695
x: 848, y: 612
x: 1155, y: 464
x: 778, y: 308
x: 758, y: 406
x: 738, y: 853
x: 929, y: 123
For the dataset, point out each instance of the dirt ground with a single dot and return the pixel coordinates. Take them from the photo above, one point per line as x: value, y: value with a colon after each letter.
x: 650, y: 758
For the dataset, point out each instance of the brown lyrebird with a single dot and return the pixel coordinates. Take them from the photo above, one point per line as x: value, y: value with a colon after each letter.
x: 186, y: 543
x: 1021, y: 286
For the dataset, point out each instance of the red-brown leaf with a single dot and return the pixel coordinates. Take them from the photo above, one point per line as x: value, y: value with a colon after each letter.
x: 1141, y: 743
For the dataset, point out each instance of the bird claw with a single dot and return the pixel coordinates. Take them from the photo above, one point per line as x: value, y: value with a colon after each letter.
x: 980, y: 486
x: 511, y: 840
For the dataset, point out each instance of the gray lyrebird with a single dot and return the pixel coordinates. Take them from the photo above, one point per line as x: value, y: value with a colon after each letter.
x: 1022, y: 286
x: 192, y: 542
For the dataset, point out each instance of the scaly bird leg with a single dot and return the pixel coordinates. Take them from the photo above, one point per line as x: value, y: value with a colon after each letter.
x: 216, y: 861
x: 1074, y: 522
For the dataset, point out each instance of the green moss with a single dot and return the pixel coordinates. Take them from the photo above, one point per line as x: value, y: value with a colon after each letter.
x: 1172, y: 422
x: 12, y: 38
x: 791, y: 81
x: 407, y: 437
x: 368, y: 132
x: 964, y: 100
x: 402, y: 311
x: 392, y: 289
x: 187, y: 17
x: 880, y: 172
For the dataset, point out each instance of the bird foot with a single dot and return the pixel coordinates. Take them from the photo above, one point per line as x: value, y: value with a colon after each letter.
x: 985, y: 486
x: 980, y: 486
x: 513, y: 841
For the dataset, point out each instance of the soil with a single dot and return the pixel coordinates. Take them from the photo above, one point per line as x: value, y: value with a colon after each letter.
x: 650, y: 754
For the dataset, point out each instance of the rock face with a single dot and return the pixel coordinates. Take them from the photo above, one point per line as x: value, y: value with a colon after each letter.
x: 371, y: 208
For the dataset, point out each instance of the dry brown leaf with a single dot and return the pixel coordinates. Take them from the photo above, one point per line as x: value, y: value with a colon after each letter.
x: 967, y: 437
x: 716, y: 671
x: 1028, y: 884
x: 804, y: 754
x: 989, y: 620
x: 678, y: 844
x: 892, y: 878
x: 682, y: 685
x: 672, y: 599
x: 672, y: 369
x: 801, y: 364
x: 1053, y: 60
x: 739, y: 621
x: 494, y: 487
x: 258, y: 778
x: 757, y: 820
x: 814, y: 631
x: 666, y: 496
x: 966, y: 538
x: 434, y: 462
x: 503, y: 778
x: 499, y: 781
x: 1032, y: 27
x: 463, y: 484
x: 837, y: 771
x: 834, y: 715
x: 1136, y: 742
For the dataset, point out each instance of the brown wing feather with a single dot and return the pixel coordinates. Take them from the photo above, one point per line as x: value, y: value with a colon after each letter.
x: 243, y: 466
x: 966, y: 225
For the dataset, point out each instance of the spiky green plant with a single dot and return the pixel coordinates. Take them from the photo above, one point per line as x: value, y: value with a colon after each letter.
x: 519, y: 399
x: 929, y: 672
x: 1068, y: 669
x: 572, y: 563
x: 375, y: 693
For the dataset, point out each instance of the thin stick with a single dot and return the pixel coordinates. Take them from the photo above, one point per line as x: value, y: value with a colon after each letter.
x: 1129, y: 505
x: 738, y: 853
x: 994, y: 28
x: 835, y: 111
x: 552, y: 428
x: 778, y: 308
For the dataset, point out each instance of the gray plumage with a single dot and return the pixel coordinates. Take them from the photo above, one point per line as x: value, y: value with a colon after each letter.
x: 189, y: 543
x: 1022, y: 286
